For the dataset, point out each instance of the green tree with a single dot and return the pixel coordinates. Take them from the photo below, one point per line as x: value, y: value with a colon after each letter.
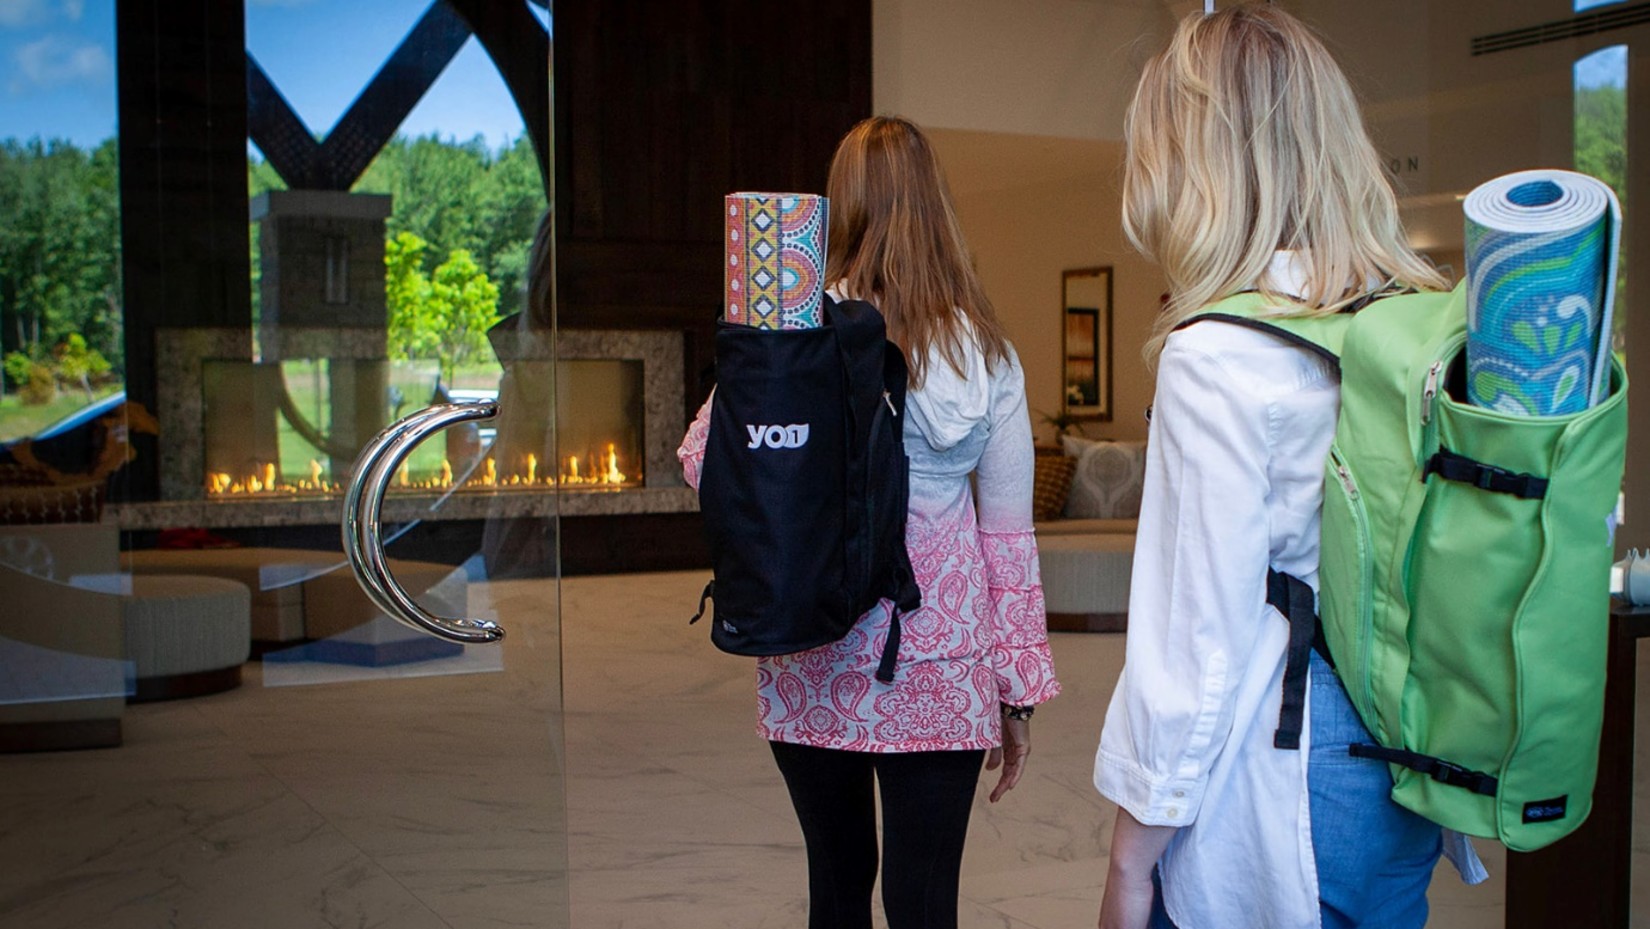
x: 37, y: 383
x: 415, y: 324
x: 510, y: 202
x: 1601, y: 135
x: 462, y: 196
x: 468, y: 303
x: 81, y: 364
x: 436, y: 186
x: 1601, y: 150
x: 444, y: 315
x: 59, y: 247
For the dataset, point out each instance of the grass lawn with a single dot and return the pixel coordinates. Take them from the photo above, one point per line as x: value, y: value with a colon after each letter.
x: 415, y: 384
x: 19, y: 420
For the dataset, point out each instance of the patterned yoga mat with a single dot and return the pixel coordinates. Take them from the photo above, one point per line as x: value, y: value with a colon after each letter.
x: 1541, y: 277
x: 775, y: 260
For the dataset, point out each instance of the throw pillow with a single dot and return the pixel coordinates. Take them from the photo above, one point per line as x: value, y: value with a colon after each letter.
x: 1050, y: 485
x: 1109, y: 478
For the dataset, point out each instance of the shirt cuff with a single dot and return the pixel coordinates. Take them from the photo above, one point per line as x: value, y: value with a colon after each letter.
x: 1153, y: 800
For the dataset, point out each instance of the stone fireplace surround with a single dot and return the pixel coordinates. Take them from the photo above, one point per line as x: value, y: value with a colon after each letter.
x: 182, y: 353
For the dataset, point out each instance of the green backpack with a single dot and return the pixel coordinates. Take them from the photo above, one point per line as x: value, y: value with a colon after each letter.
x: 1464, y: 572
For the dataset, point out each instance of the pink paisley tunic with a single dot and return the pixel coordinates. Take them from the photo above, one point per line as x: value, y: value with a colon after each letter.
x: 981, y: 636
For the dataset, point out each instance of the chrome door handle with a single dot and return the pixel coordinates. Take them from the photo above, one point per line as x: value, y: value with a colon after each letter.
x: 363, y: 518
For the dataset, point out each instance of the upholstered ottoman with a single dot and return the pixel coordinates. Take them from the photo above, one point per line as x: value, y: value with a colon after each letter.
x: 186, y: 636
x: 1086, y: 580
x: 274, y: 576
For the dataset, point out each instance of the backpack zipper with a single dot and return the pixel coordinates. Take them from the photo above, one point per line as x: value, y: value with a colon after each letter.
x: 1430, y: 391
x: 1366, y: 575
x: 1435, y: 376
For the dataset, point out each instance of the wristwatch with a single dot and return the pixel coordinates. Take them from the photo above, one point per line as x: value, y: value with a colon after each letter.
x: 1018, y: 712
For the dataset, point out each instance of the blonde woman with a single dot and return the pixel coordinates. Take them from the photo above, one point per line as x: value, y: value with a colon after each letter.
x: 1247, y: 168
x: 974, y: 660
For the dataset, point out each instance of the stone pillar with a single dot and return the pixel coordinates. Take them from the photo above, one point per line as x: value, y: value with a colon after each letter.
x: 322, y: 255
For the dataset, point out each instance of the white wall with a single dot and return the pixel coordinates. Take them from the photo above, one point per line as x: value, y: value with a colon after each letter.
x: 1026, y: 99
x: 1060, y: 68
x: 1032, y: 207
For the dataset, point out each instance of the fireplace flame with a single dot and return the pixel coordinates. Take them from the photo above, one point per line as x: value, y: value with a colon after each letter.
x: 601, y: 469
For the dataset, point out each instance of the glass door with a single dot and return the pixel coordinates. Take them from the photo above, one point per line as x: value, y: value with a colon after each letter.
x: 280, y: 640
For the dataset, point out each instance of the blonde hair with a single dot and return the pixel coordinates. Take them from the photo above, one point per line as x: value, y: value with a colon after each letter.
x: 1244, y: 138
x: 894, y: 238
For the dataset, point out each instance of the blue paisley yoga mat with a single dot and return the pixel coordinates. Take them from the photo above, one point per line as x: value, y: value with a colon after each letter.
x: 1541, y: 275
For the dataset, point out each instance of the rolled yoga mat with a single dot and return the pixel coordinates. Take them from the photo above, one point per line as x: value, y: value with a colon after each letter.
x: 1541, y: 251
x: 775, y: 260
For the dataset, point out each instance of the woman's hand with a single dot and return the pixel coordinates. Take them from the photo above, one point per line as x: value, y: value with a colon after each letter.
x: 1012, y: 756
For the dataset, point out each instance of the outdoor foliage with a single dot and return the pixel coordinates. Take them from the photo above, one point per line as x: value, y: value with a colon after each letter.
x: 59, y: 256
x: 457, y: 196
x: 445, y: 314
x: 71, y: 363
x: 1601, y: 150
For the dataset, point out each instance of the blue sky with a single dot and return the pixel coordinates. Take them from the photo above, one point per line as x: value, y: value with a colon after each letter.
x: 57, y: 60
x: 57, y: 67
x: 1605, y: 66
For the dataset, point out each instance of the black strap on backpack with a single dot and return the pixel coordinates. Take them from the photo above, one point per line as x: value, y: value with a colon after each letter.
x: 1452, y: 466
x: 1294, y: 598
x: 1438, y: 769
x: 878, y: 563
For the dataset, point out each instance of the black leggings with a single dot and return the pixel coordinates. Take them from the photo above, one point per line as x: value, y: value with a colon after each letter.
x: 926, y: 799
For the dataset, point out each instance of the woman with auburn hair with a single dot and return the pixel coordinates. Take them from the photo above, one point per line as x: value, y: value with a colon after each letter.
x: 1248, y: 169
x: 974, y: 659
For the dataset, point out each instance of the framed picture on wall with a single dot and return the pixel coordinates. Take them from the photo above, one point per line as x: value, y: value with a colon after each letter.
x: 1085, y: 308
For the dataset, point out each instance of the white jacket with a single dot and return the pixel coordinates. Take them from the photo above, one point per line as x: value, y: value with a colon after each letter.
x: 1240, y: 427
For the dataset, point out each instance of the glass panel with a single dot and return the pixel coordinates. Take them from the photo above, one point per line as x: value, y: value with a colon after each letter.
x: 60, y: 294
x: 266, y: 741
x: 1601, y: 143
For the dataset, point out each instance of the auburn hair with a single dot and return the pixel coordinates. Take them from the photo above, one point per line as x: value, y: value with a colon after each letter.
x: 894, y: 239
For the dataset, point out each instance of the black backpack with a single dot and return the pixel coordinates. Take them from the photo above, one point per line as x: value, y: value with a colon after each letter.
x: 805, y: 483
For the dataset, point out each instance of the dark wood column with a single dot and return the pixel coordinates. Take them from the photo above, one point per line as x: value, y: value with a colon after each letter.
x: 664, y: 107
x: 184, y: 226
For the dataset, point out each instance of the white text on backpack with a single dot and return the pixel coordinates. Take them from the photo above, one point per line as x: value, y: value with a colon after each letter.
x: 778, y: 436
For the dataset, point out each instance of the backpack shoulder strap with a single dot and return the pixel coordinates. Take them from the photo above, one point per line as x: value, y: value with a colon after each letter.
x: 1323, y: 335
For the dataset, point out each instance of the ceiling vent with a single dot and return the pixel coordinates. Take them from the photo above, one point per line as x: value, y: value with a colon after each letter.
x: 1584, y: 24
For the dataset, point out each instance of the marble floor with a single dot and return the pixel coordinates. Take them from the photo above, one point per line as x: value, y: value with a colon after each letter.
x: 442, y: 800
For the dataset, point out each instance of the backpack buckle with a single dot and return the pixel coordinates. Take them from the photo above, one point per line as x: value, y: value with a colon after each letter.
x: 1454, y: 775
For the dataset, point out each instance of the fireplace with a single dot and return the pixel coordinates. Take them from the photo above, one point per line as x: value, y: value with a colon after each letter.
x: 275, y: 428
x: 597, y: 413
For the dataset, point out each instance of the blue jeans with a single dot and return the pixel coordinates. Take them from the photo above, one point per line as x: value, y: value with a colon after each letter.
x: 1374, y: 857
